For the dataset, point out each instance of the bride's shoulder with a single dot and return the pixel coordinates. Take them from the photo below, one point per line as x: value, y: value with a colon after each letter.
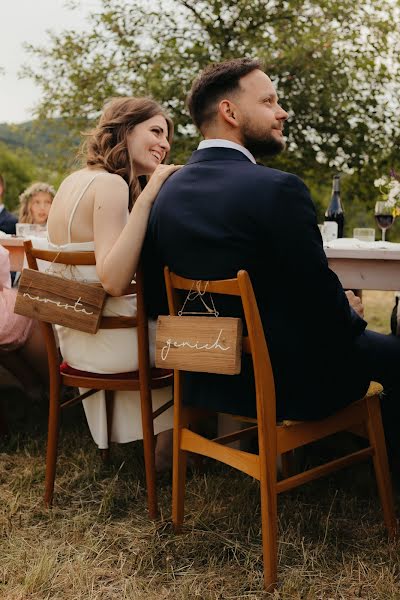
x: 100, y: 177
x: 104, y: 178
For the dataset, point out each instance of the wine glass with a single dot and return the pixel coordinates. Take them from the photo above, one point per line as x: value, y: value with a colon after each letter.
x: 384, y: 216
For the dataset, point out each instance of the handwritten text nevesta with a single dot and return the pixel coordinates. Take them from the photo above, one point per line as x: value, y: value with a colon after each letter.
x: 74, y: 307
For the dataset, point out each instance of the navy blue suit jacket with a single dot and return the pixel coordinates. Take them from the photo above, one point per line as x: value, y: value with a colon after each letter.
x: 7, y: 221
x: 221, y: 213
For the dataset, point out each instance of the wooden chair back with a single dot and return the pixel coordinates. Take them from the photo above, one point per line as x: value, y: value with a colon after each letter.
x: 88, y: 258
x: 253, y: 344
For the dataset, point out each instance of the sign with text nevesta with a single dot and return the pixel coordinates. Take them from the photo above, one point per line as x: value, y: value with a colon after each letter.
x: 204, y: 344
x: 62, y: 301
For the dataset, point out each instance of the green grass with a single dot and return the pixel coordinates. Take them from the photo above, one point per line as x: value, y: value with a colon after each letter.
x: 98, y: 544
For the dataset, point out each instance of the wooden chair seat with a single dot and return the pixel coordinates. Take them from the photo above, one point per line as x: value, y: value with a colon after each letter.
x: 373, y: 390
x: 76, y: 378
x: 274, y: 439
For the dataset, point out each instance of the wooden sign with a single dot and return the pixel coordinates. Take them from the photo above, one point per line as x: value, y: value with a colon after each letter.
x: 62, y: 301
x: 205, y: 344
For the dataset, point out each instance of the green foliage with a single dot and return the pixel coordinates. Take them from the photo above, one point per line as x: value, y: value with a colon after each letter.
x: 358, y: 195
x: 333, y: 63
x: 52, y: 143
x: 17, y: 171
x: 35, y: 151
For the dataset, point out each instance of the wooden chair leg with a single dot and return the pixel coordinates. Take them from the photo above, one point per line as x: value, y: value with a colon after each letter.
x: 179, y: 466
x: 381, y: 466
x: 105, y: 452
x: 178, y: 483
x: 149, y: 451
x: 269, y: 524
x: 52, y: 443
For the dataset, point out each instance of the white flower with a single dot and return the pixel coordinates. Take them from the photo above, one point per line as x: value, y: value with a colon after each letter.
x: 391, y: 202
x: 394, y: 191
x: 380, y: 182
x: 390, y: 191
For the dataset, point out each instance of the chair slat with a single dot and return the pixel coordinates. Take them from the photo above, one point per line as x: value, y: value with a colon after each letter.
x: 229, y: 287
x: 117, y: 322
x: 65, y: 258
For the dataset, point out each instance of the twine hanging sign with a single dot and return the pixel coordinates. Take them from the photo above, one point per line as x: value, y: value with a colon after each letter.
x: 208, y: 343
x: 54, y: 299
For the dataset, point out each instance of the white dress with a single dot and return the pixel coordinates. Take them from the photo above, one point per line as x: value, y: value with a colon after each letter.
x: 107, y: 351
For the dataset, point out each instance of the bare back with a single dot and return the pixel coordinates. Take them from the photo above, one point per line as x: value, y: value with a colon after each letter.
x: 74, y: 204
x: 92, y: 206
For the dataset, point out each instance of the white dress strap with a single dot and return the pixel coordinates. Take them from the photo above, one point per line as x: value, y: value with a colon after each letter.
x: 76, y: 206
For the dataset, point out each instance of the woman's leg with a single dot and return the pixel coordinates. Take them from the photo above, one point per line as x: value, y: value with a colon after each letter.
x: 14, y: 363
x: 163, y: 451
x: 34, y: 352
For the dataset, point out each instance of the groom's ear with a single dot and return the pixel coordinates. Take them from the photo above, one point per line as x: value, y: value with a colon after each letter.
x: 228, y: 112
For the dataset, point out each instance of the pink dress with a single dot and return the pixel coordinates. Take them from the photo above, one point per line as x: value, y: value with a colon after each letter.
x: 14, y: 329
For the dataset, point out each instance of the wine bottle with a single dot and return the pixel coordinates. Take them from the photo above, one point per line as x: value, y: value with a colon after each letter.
x: 334, y: 212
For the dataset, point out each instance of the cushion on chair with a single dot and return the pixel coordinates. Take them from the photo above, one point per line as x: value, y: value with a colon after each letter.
x: 66, y: 369
x: 374, y: 388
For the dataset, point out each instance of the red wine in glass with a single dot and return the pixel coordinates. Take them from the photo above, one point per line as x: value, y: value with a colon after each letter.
x: 384, y: 217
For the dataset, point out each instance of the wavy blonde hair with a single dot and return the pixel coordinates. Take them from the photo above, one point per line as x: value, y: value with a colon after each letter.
x: 25, y: 215
x: 106, y: 145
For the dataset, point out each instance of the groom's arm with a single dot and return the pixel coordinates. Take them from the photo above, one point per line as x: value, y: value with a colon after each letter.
x: 291, y: 222
x: 154, y: 285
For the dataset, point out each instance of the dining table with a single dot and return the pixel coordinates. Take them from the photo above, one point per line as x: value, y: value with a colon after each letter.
x: 372, y: 266
x: 15, y: 247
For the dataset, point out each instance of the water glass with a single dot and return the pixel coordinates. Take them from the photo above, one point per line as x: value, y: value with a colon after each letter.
x: 27, y: 230
x: 330, y: 231
x: 364, y: 234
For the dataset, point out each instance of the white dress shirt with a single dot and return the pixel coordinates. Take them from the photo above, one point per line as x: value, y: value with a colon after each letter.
x: 220, y: 143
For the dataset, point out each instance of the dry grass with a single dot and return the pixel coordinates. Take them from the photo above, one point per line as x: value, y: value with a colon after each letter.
x: 97, y: 543
x: 378, y: 306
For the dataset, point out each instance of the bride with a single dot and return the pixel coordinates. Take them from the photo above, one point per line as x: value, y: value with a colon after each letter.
x: 102, y: 207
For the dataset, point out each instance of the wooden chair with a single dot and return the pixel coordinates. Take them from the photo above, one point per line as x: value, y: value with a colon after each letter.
x: 273, y: 438
x: 144, y: 380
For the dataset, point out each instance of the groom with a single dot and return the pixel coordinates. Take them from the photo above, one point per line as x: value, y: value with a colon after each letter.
x: 7, y: 220
x: 222, y: 212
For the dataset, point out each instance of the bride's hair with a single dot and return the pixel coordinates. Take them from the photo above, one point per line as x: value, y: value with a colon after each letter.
x: 106, y: 145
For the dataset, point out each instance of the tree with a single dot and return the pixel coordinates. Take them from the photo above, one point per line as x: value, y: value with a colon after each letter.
x: 17, y: 171
x: 334, y: 63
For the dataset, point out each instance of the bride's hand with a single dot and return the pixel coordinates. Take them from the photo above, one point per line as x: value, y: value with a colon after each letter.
x: 159, y: 176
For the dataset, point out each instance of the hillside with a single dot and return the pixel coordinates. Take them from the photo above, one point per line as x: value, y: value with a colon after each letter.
x: 51, y: 140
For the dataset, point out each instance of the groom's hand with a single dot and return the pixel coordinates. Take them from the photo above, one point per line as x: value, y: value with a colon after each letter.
x: 155, y: 182
x: 355, y: 303
x: 161, y: 173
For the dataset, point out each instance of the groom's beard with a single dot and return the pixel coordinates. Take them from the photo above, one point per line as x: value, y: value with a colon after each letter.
x: 261, y: 143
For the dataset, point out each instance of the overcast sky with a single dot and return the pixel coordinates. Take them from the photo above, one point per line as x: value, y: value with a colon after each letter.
x: 27, y: 21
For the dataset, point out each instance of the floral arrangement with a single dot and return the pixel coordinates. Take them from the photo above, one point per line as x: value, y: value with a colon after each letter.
x: 390, y: 190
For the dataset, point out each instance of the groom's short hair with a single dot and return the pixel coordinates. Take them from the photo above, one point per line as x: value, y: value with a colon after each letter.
x: 213, y: 84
